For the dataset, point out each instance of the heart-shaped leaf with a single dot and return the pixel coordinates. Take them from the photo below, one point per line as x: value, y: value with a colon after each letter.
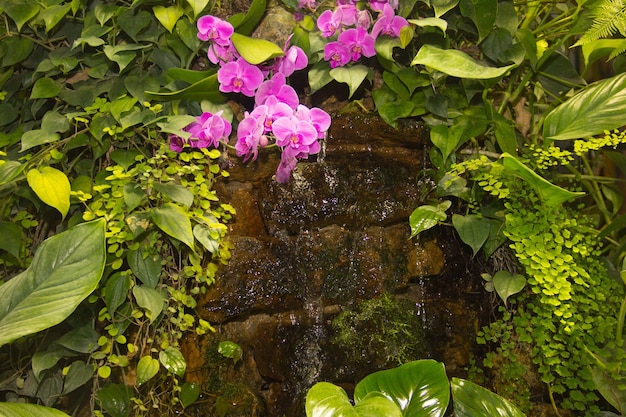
x: 425, y: 217
x: 52, y: 187
x: 174, y: 220
x: 173, y: 361
x: 147, y: 367
x: 353, y: 76
x: 507, y: 284
x: 472, y: 229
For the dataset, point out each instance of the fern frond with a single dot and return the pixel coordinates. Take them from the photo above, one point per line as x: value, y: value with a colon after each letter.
x: 609, y: 18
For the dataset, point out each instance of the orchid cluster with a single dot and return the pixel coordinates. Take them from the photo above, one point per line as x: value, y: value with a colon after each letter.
x: 277, y: 118
x: 353, y: 30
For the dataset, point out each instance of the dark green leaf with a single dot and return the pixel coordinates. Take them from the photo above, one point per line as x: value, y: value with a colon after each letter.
x: 11, y: 237
x: 38, y: 137
x: 230, y: 350
x: 133, y: 195
x: 246, y: 23
x: 146, y: 267
x: 65, y: 270
x: 189, y: 393
x: 45, y: 88
x: 54, y: 122
x: 116, y: 291
x: 115, y: 399
x: 16, y: 49
x: 125, y: 157
x: 482, y: 12
x: 52, y: 15
x: 78, y: 375
x: 352, y: 76
x: 83, y: 339
x: 206, y: 89
x: 507, y: 284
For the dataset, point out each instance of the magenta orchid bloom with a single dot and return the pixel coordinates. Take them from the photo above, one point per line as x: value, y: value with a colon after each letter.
x: 298, y: 138
x: 215, y: 30
x: 337, y: 54
x: 388, y: 23
x: 176, y: 143
x: 239, y: 77
x: 277, y: 86
x: 317, y: 117
x: 275, y: 110
x: 219, y: 54
x: 293, y: 60
x: 378, y: 5
x: 208, y: 130
x: 329, y: 23
x: 358, y: 42
x: 286, y: 166
x: 250, y: 134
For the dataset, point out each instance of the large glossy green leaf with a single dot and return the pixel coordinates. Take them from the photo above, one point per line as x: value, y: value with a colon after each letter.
x: 471, y: 400
x: 598, y: 107
x: 255, y: 50
x: 28, y: 410
x: 174, y: 221
x: 65, y: 269
x: 606, y: 383
x: 145, y: 266
x: 149, y: 299
x: 328, y: 400
x: 52, y: 187
x: 456, y: 63
x: 11, y: 236
x: 420, y: 388
x: 550, y: 194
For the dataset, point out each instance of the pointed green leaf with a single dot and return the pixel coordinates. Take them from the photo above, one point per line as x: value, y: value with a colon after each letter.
x: 146, y: 267
x: 21, y: 11
x: 353, y: 76
x: 319, y: 76
x: 472, y: 229
x: 77, y: 376
x: 52, y: 187
x: 206, y: 238
x: 245, y: 23
x: 443, y: 6
x: 65, y: 270
x: 173, y: 361
x: 189, y: 393
x: 456, y: 63
x: 11, y: 237
x: 45, y: 88
x: 115, y: 399
x: 168, y: 16
x: 150, y: 300
x: 174, y: 220
x: 596, y: 108
x: 431, y: 22
x: 116, y: 291
x: 446, y: 138
x: 37, y: 137
x: 419, y: 388
x: 176, y: 193
x: 606, y: 383
x: 28, y: 410
x: 550, y: 194
x: 52, y: 15
x: 198, y: 6
x: 428, y: 216
x: 255, y: 50
x: 482, y: 13
x: 147, y: 367
x: 133, y: 195
x: 16, y: 50
x: 205, y: 89
x: 230, y: 350
x: 471, y: 400
x: 125, y: 157
x: 507, y: 284
x: 328, y: 400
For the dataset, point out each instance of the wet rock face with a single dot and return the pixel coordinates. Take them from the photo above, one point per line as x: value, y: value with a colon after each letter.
x: 333, y: 237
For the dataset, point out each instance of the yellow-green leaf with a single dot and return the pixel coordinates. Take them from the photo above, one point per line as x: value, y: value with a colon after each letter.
x: 168, y: 16
x: 52, y: 187
x: 254, y: 50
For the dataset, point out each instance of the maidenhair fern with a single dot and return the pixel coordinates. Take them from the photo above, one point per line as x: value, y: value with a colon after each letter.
x: 609, y: 19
